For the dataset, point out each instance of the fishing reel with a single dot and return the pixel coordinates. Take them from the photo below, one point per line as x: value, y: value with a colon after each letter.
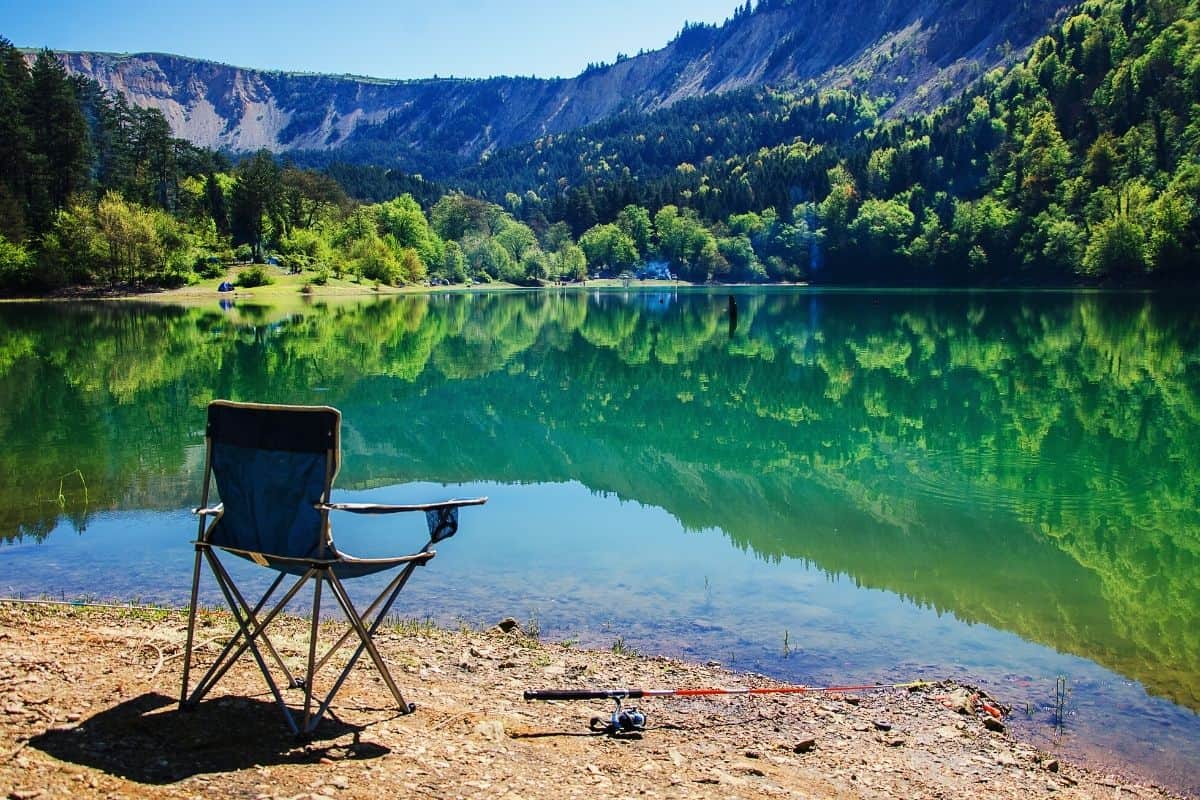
x: 624, y: 721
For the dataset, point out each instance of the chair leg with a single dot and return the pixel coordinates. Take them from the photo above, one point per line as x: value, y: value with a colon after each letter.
x: 373, y: 611
x: 238, y: 645
x: 238, y: 607
x: 365, y: 643
x: 191, y: 631
x: 253, y: 613
x: 312, y: 654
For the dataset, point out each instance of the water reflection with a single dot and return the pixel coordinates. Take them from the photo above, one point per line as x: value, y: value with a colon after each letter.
x: 1030, y: 462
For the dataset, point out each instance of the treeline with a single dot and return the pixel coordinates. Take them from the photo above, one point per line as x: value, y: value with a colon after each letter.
x: 1081, y: 163
x: 99, y: 193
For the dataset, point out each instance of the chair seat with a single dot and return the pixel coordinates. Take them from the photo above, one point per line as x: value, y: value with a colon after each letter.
x: 344, y: 566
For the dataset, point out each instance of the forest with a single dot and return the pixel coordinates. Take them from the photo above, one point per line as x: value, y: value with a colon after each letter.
x: 1080, y: 165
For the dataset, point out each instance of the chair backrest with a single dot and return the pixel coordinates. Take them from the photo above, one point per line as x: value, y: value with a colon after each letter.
x: 272, y: 464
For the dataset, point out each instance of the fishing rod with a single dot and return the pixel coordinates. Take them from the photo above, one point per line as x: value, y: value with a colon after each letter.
x: 627, y: 720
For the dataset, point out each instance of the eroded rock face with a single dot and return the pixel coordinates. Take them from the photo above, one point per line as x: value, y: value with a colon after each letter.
x: 919, y: 52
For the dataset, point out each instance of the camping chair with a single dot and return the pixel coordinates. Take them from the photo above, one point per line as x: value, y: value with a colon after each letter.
x: 274, y: 467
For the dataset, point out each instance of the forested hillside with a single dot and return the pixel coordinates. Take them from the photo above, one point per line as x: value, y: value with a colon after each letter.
x: 1079, y: 164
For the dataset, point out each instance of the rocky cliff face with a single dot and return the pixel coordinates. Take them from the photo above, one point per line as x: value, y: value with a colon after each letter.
x: 916, y: 51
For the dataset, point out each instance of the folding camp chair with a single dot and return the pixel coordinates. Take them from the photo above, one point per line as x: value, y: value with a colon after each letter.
x: 274, y: 467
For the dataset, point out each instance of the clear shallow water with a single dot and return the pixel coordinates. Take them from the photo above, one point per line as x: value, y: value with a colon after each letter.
x: 997, y: 488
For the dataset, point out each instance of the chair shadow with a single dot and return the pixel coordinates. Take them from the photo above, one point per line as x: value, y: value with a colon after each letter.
x: 147, y: 739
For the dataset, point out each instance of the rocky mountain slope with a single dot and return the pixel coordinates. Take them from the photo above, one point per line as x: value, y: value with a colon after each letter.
x: 918, y: 52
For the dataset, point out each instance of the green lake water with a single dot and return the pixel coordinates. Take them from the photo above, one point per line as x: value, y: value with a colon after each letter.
x: 1000, y: 488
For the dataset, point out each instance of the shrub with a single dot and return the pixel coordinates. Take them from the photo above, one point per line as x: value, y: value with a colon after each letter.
x: 254, y: 276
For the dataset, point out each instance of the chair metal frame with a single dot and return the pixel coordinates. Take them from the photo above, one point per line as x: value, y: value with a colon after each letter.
x: 251, y: 634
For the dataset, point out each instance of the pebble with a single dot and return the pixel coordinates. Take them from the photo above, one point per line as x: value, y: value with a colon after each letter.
x: 490, y: 729
x: 1050, y: 765
x: 805, y: 745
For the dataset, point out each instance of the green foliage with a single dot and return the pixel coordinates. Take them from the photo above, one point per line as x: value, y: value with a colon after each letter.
x: 254, y: 276
x: 1079, y: 164
x: 16, y: 265
x: 609, y: 248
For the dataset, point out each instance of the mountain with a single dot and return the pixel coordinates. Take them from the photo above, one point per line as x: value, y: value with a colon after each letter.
x: 916, y: 52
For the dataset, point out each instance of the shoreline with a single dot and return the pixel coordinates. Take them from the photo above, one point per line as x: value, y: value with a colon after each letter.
x: 89, y: 709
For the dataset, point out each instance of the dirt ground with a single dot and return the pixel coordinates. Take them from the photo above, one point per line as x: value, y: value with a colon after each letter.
x: 89, y: 708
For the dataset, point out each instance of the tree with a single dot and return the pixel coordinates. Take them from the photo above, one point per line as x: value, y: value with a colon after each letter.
x: 256, y: 194
x: 218, y: 209
x: 135, y: 250
x: 457, y: 214
x: 307, y: 197
x: 581, y: 210
x: 571, y: 263
x: 59, y: 147
x: 882, y: 230
x: 1115, y: 247
x: 1042, y: 165
x: 403, y: 219
x: 608, y: 247
x: 634, y: 222
x: 15, y: 142
x: 16, y: 266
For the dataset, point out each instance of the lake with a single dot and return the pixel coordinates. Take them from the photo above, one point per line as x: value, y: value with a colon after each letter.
x: 842, y: 487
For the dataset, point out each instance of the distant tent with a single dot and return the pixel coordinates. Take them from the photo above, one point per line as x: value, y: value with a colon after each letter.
x: 225, y: 286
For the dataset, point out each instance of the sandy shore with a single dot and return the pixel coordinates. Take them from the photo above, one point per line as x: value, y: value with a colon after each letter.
x: 88, y: 709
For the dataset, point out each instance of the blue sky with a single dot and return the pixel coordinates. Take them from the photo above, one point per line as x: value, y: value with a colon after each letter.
x: 405, y: 39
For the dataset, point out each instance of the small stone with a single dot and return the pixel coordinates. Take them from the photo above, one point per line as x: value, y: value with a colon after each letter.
x: 1050, y: 765
x: 882, y: 725
x: 804, y: 745
x: 490, y: 729
x: 339, y: 782
x: 753, y: 754
x: 510, y: 625
x: 1006, y: 760
x: 993, y: 724
x: 851, y: 699
x: 960, y: 700
x: 25, y: 794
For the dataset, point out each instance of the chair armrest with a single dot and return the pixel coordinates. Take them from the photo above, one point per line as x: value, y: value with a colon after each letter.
x: 209, y: 512
x: 379, y: 508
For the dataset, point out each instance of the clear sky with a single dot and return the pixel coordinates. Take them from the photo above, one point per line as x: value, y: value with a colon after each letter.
x: 398, y: 39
